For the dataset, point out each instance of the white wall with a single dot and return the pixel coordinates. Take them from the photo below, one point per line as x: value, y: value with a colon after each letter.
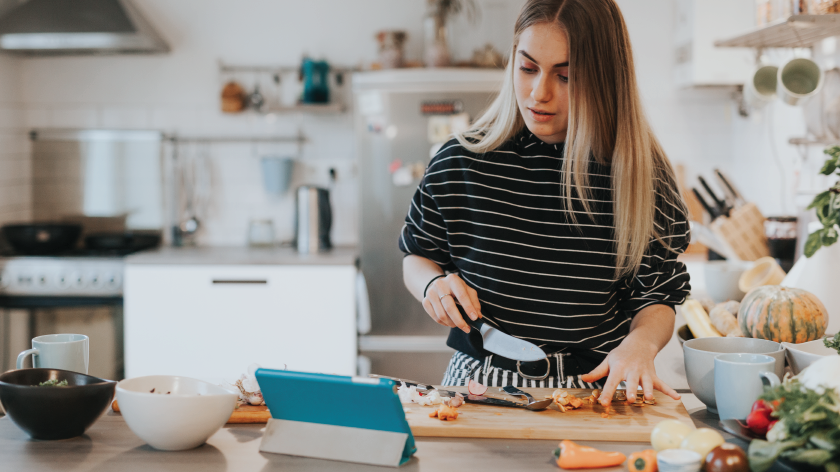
x: 179, y: 92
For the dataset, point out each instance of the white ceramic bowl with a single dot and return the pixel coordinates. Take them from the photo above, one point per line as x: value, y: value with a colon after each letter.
x: 700, y: 356
x: 182, y: 419
x: 802, y: 355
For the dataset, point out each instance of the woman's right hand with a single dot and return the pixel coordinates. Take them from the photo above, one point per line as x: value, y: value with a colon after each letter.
x: 440, y: 302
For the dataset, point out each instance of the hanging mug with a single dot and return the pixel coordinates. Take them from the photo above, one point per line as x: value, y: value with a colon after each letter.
x: 799, y: 79
x: 760, y: 89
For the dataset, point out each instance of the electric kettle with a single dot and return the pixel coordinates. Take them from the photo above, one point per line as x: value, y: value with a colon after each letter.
x: 313, y: 219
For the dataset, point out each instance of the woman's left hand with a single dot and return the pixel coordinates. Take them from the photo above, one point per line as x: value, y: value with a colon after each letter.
x: 633, y: 363
x: 632, y: 360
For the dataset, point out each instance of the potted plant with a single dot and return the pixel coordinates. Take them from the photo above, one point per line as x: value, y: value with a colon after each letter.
x: 817, y: 272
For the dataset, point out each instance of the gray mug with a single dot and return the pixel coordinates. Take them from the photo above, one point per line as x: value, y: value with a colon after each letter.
x: 739, y: 381
x: 58, y: 351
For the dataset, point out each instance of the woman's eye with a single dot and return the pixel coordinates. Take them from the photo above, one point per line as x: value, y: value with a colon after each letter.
x: 527, y: 70
x: 563, y: 78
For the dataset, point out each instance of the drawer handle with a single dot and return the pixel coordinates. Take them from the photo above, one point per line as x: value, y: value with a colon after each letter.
x: 240, y: 282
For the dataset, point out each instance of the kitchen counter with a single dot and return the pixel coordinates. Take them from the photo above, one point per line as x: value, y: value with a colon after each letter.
x: 110, y: 445
x: 242, y: 256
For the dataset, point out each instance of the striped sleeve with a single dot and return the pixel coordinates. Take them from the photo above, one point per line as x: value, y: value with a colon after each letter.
x: 424, y: 233
x: 661, y: 279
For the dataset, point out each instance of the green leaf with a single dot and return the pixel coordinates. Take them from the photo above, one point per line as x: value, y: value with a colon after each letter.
x: 829, y: 236
x: 763, y: 454
x: 815, y: 457
x: 821, y: 200
x: 813, y: 243
x: 829, y: 166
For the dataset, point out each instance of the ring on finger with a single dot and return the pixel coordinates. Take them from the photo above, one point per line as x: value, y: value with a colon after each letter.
x: 445, y: 295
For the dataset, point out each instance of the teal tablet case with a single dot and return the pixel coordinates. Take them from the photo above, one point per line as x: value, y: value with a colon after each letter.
x: 334, y: 400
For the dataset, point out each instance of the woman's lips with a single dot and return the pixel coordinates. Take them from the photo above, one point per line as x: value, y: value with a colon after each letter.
x: 540, y: 116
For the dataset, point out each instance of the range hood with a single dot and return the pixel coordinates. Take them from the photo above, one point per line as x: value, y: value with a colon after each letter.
x: 50, y: 27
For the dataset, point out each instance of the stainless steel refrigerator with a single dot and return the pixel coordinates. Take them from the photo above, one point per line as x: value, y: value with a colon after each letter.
x: 400, y: 117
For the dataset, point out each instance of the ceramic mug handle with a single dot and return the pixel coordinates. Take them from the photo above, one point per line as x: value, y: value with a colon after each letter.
x: 769, y: 379
x: 22, y: 357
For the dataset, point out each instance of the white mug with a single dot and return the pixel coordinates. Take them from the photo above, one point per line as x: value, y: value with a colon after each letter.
x: 799, y: 79
x: 740, y: 380
x: 58, y: 351
x: 760, y: 89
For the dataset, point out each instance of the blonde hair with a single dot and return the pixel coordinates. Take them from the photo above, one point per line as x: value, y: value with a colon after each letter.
x: 606, y: 122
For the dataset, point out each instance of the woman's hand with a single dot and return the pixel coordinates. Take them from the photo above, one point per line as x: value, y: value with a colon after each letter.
x: 633, y: 363
x: 632, y: 360
x: 440, y: 302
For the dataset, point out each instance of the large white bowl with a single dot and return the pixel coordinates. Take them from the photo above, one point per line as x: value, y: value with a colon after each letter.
x: 802, y: 355
x: 183, y: 419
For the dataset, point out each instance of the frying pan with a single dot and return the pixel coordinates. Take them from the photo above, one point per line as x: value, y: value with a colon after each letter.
x: 40, y: 239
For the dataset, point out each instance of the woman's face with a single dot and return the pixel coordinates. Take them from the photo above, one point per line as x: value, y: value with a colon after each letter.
x: 541, y: 81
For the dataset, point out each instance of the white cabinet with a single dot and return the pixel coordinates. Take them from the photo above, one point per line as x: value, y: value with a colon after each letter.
x: 211, y: 321
x: 699, y: 23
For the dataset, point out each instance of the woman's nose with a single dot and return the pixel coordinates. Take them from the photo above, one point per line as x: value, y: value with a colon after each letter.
x: 541, y: 92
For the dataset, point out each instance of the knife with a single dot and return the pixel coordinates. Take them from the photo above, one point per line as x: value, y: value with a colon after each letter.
x: 712, y: 212
x: 720, y: 204
x: 482, y: 400
x: 729, y: 188
x: 503, y: 344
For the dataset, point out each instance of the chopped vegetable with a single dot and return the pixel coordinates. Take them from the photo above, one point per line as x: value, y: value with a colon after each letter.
x: 564, y: 400
x: 53, y: 383
x: 833, y: 343
x: 476, y: 388
x: 444, y: 413
x: 456, y: 401
x: 642, y: 461
x: 573, y: 456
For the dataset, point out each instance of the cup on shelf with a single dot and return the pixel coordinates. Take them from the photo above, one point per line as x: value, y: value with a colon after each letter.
x: 799, y: 79
x: 760, y: 89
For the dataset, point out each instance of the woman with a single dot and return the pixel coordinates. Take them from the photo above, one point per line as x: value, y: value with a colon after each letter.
x: 556, y: 217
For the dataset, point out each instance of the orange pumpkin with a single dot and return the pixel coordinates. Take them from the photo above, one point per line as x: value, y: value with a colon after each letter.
x: 782, y: 314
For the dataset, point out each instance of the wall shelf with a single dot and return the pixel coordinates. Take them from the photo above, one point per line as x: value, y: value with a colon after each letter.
x: 814, y: 141
x: 798, y: 31
x: 306, y: 108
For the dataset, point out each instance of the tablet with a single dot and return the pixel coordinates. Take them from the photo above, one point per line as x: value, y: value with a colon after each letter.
x: 335, y: 400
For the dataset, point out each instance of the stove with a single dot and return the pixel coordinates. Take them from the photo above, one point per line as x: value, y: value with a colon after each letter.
x: 61, y: 276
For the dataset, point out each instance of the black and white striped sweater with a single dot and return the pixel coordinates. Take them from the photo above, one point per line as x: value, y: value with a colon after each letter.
x: 497, y: 220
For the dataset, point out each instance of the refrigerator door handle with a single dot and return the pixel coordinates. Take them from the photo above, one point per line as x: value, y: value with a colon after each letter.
x: 363, y: 323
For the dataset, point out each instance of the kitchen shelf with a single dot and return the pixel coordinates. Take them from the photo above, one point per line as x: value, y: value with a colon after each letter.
x: 813, y: 141
x: 299, y: 139
x: 307, y: 108
x: 797, y: 31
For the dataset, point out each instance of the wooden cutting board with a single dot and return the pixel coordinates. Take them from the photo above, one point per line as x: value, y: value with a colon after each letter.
x: 625, y: 423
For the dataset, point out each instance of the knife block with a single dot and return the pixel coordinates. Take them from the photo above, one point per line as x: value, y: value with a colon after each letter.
x: 743, y: 231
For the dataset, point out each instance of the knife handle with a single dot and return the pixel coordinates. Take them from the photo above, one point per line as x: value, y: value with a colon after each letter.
x: 477, y: 324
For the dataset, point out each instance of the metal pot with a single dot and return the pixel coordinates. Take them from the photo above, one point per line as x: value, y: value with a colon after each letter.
x: 313, y: 219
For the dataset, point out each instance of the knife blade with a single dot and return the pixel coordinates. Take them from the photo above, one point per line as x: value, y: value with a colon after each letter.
x: 503, y: 344
x: 482, y: 400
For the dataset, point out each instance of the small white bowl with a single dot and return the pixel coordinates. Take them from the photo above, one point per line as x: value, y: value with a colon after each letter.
x: 802, y: 355
x: 678, y: 460
x: 182, y: 413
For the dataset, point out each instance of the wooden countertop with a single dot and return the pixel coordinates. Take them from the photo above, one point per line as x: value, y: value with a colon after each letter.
x: 109, y: 445
x: 242, y: 256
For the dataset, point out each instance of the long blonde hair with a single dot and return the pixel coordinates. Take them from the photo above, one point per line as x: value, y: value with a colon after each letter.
x: 606, y: 122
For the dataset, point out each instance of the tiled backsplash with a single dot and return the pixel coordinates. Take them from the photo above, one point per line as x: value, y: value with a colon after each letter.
x: 15, y: 167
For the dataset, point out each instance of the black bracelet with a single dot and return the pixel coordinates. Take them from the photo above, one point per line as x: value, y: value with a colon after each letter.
x: 430, y: 283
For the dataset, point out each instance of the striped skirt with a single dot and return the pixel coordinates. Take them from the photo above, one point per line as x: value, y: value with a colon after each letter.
x: 462, y: 368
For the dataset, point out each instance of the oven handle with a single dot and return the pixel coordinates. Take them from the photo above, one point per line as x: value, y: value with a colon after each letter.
x: 240, y: 282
